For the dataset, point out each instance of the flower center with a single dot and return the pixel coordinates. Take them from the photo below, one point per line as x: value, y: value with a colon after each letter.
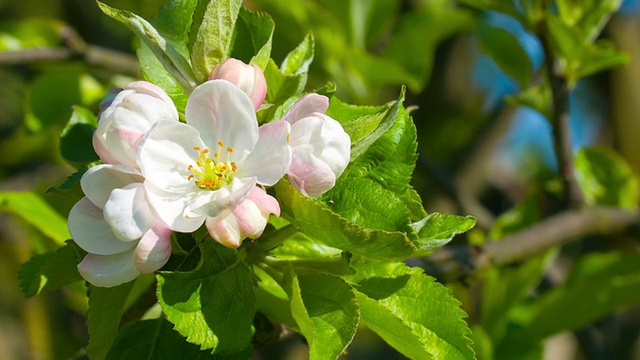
x: 210, y: 173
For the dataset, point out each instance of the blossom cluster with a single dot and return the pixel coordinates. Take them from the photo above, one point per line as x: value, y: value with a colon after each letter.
x: 159, y: 175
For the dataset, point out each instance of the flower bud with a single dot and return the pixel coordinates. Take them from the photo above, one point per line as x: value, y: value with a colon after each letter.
x: 249, y: 78
x: 246, y: 220
x: 126, y: 115
x: 321, y: 147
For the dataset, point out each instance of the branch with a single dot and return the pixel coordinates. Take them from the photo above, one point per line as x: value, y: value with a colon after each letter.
x: 562, y: 228
x: 560, y: 117
x: 74, y: 47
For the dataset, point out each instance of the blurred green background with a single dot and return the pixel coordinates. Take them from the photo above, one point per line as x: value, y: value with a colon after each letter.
x: 479, y: 155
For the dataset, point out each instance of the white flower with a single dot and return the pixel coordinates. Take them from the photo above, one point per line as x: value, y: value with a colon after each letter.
x: 321, y: 147
x: 208, y: 166
x: 247, y: 219
x: 115, y: 224
x: 249, y: 78
x: 127, y: 117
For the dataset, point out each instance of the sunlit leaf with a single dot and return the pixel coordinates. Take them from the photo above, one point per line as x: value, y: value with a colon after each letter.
x: 50, y: 271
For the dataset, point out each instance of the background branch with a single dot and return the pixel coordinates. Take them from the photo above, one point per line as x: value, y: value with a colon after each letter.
x: 74, y: 47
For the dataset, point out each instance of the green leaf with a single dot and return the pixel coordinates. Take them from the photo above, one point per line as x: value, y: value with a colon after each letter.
x: 252, y: 38
x: 299, y: 59
x: 106, y: 307
x: 33, y: 209
x: 30, y: 33
x: 76, y: 138
x: 50, y: 271
x: 416, y: 301
x: 357, y: 121
x: 589, y: 16
x: 520, y: 217
x: 537, y: 97
x: 507, y: 52
x: 606, y: 179
x: 326, y: 311
x: 173, y: 22
x: 436, y: 229
x: 172, y: 60
x: 281, y: 87
x: 214, y: 305
x: 153, y: 339
x: 597, y: 285
x: 212, y: 35
x: 482, y: 345
x: 322, y: 225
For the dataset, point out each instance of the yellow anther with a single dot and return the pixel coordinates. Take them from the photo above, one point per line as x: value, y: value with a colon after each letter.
x: 220, y: 143
x: 230, y: 149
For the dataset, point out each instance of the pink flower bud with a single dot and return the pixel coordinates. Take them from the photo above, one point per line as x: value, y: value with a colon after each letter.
x: 249, y: 78
x: 246, y: 220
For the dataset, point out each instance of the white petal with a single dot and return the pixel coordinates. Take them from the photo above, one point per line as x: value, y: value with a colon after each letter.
x: 225, y: 230
x: 311, y: 176
x: 170, y: 208
x: 108, y: 270
x: 129, y: 213
x: 213, y: 203
x: 308, y: 104
x: 271, y: 157
x: 165, y: 154
x: 98, y: 182
x: 91, y: 232
x: 153, y: 250
x: 223, y: 112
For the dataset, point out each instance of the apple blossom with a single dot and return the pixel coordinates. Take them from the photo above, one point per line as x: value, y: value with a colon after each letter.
x: 206, y: 167
x: 247, y: 219
x: 116, y: 226
x: 249, y: 78
x: 321, y: 147
x: 126, y: 117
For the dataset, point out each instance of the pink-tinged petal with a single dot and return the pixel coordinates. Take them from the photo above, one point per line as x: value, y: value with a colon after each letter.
x: 225, y: 230
x: 102, y: 151
x: 108, y: 270
x: 249, y: 78
x: 307, y: 105
x: 170, y: 208
x: 153, y: 250
x: 98, y: 182
x: 271, y: 157
x: 144, y: 87
x: 311, y: 176
x: 166, y: 153
x: 265, y: 202
x: 213, y: 203
x: 222, y: 112
x: 128, y: 212
x: 91, y: 232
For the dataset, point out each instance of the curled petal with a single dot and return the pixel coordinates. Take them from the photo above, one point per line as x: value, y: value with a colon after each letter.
x: 108, y: 270
x: 153, y: 250
x: 129, y: 213
x: 311, y: 176
x: 271, y: 157
x: 170, y: 208
x: 222, y: 112
x: 305, y: 106
x: 98, y: 182
x: 166, y: 153
x: 91, y: 232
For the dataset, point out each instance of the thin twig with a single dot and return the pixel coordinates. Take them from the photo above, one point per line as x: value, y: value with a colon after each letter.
x: 74, y: 47
x: 560, y: 229
x: 560, y: 121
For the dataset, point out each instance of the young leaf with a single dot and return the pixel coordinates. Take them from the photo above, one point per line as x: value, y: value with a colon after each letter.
x: 153, y: 339
x: 606, y: 179
x: 436, y: 230
x: 212, y: 34
x: 50, y: 271
x: 418, y: 302
x: 252, y: 37
x: 173, y: 22
x: 299, y: 59
x: 169, y: 56
x: 106, y: 307
x: 281, y: 87
x: 36, y: 212
x: 357, y: 121
x: 326, y: 311
x: 76, y: 138
x: 214, y: 305
x: 507, y: 52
